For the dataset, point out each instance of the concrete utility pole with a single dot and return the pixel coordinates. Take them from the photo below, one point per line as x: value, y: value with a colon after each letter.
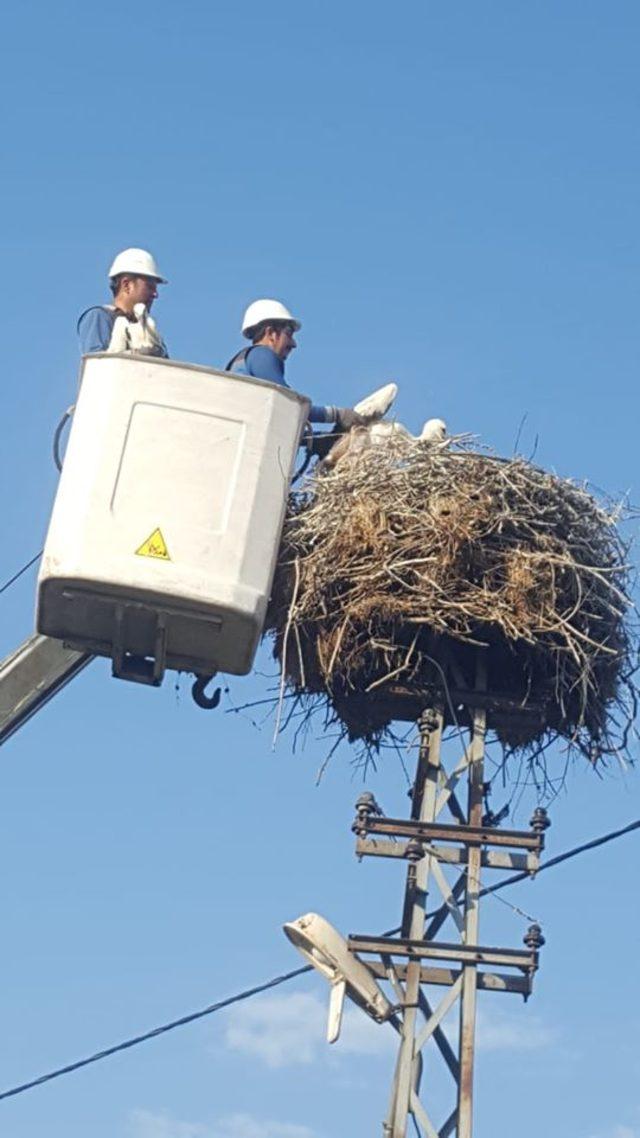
x: 415, y: 962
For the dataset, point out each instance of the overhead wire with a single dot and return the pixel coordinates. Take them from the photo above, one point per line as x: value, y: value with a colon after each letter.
x: 58, y: 461
x: 553, y: 861
x: 24, y: 568
x: 285, y: 977
x: 154, y: 1032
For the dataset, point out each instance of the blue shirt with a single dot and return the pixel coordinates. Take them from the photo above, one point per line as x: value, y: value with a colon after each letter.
x: 263, y: 363
x: 94, y: 329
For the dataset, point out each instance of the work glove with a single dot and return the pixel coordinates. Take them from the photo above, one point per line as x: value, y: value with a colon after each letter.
x: 346, y: 418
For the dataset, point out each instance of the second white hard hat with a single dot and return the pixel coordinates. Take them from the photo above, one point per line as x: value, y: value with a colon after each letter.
x: 264, y: 310
x: 138, y: 262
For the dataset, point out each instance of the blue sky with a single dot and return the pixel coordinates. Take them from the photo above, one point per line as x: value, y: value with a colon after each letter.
x: 447, y: 195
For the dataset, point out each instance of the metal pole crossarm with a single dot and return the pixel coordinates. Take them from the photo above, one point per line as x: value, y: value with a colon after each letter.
x: 444, y: 977
x: 491, y: 859
x: 407, y: 704
x: 438, y: 950
x: 467, y: 835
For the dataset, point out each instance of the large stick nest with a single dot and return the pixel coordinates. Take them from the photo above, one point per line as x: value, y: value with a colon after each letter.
x: 398, y: 571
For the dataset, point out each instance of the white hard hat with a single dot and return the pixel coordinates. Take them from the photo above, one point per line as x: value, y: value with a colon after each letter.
x: 137, y: 262
x: 265, y: 310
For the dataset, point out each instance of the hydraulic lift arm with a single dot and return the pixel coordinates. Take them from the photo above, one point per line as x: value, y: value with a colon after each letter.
x: 31, y: 676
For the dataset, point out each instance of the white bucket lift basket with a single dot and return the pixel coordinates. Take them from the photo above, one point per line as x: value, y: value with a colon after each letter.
x: 166, y: 525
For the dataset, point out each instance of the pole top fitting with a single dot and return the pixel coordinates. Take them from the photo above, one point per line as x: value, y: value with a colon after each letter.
x: 429, y: 719
x: 366, y: 801
x: 539, y: 821
x: 366, y: 805
x: 533, y: 938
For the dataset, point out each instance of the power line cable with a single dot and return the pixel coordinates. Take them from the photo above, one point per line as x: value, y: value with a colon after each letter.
x: 56, y: 455
x: 15, y: 577
x: 248, y: 993
x: 592, y: 845
x: 136, y: 1039
x: 526, y: 876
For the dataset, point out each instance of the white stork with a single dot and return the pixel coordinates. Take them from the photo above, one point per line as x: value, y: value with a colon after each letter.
x: 139, y: 336
x: 349, y: 446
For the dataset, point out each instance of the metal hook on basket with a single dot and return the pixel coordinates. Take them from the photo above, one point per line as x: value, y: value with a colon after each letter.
x: 207, y: 702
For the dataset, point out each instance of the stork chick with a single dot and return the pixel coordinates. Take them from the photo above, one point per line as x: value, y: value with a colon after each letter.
x: 349, y: 446
x: 434, y: 431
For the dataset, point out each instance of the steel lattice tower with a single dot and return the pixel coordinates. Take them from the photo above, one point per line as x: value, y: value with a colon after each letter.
x: 415, y: 964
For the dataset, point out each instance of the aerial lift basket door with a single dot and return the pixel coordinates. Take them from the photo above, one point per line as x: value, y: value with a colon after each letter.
x: 165, y: 530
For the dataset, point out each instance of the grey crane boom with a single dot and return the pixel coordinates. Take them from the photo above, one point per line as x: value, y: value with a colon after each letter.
x: 31, y: 676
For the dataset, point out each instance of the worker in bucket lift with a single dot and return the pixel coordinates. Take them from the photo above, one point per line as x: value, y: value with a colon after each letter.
x: 271, y: 329
x: 125, y: 325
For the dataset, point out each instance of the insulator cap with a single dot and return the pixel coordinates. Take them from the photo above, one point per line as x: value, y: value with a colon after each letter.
x: 367, y: 801
x: 533, y: 938
x: 539, y: 821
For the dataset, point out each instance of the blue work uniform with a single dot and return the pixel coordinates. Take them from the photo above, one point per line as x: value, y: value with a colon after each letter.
x: 263, y: 363
x: 95, y: 328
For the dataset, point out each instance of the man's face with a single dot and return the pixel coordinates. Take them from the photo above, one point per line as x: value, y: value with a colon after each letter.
x: 137, y: 290
x: 283, y: 341
x: 145, y: 290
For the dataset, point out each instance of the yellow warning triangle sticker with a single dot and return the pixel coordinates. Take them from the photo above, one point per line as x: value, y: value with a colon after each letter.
x: 154, y: 546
